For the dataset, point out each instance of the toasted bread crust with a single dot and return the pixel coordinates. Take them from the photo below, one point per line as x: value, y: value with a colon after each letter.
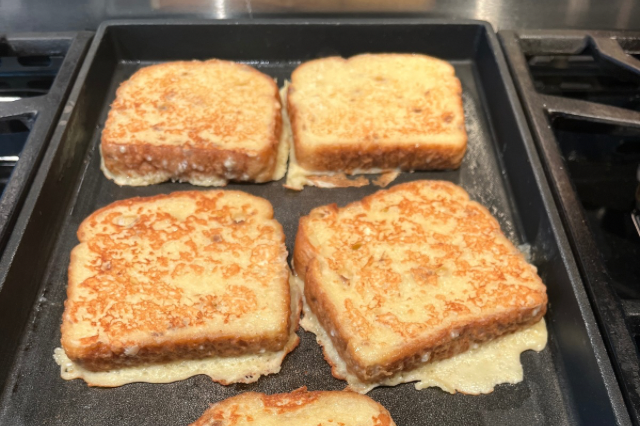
x: 411, y: 352
x: 299, y: 407
x: 425, y: 149
x: 207, y: 153
x: 353, y: 157
x: 115, y: 317
x: 127, y: 163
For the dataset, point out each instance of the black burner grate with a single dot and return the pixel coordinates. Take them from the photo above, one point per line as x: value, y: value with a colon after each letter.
x: 581, y: 93
x: 582, y: 76
x: 14, y: 133
x: 36, y: 72
x: 602, y: 161
x: 26, y: 76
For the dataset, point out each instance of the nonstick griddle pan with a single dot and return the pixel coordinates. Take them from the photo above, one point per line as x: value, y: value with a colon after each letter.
x: 570, y: 382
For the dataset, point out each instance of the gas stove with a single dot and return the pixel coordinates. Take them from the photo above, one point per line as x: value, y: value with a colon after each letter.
x: 36, y: 72
x: 21, y: 77
x: 581, y: 93
x: 13, y: 135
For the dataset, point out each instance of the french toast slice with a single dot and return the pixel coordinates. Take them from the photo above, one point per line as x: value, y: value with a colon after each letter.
x: 188, y: 275
x: 376, y: 112
x: 410, y: 275
x: 297, y: 408
x: 202, y: 122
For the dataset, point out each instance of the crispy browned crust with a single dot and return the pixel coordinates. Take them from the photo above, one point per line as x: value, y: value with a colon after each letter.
x: 102, y: 357
x: 231, y: 411
x: 349, y: 157
x: 98, y: 356
x: 438, y: 347
x: 368, y: 154
x: 189, y: 164
x: 303, y: 250
x: 195, y: 163
x: 385, y: 179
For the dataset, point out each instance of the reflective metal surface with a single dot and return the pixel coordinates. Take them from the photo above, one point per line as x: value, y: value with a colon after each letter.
x: 56, y: 15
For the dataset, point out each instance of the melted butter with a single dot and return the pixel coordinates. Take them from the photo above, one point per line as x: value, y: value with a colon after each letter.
x: 476, y: 371
x: 226, y: 370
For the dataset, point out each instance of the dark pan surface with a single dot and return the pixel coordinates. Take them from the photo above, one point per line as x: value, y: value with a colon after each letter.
x: 570, y: 382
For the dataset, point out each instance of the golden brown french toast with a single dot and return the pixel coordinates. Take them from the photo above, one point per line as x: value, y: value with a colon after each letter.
x: 412, y: 274
x: 188, y: 275
x: 374, y: 112
x: 205, y: 123
x: 298, y: 408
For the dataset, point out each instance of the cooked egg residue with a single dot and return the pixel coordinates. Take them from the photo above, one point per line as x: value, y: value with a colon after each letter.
x: 226, y: 370
x: 476, y: 371
x: 298, y: 177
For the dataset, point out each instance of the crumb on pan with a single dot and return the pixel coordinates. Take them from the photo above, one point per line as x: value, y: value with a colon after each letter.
x: 386, y: 178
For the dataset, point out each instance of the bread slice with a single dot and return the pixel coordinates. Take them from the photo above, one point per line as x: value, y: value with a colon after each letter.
x: 298, y: 408
x: 412, y: 274
x: 205, y: 123
x: 188, y: 275
x: 376, y: 112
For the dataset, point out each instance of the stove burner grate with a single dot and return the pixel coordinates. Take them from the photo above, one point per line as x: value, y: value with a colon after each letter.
x: 581, y: 93
x: 36, y: 72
